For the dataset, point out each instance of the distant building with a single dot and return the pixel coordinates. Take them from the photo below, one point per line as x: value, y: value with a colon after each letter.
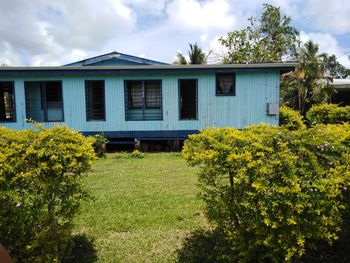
x: 127, y: 97
x: 342, y: 95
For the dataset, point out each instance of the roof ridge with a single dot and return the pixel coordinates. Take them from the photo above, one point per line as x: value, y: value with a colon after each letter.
x: 113, y: 52
x: 126, y: 56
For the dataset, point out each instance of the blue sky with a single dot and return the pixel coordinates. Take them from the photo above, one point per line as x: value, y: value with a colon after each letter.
x: 56, y: 32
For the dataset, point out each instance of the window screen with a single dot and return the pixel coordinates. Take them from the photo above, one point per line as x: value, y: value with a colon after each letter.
x: 152, y: 94
x: 7, y: 102
x: 135, y: 94
x: 188, y: 99
x: 95, y: 100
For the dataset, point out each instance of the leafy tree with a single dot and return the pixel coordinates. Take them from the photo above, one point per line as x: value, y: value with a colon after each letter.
x: 195, y: 54
x: 269, y: 38
x: 334, y: 68
x: 309, y: 83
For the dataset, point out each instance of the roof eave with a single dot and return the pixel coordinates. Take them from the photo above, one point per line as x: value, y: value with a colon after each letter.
x: 281, y: 66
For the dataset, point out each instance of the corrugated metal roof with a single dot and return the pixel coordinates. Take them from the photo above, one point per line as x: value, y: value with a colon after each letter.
x: 341, y: 84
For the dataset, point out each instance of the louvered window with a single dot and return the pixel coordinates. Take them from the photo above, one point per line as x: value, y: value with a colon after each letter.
x: 143, y: 100
x: 95, y: 100
x: 7, y: 102
x: 44, y: 101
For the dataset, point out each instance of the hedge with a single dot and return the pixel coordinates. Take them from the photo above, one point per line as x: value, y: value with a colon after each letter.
x: 328, y: 114
x: 40, y: 190
x: 273, y: 191
x: 291, y: 119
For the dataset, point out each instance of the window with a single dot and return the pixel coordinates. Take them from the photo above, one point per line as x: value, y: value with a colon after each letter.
x: 7, y: 102
x: 44, y: 100
x: 188, y: 99
x: 95, y: 100
x: 143, y: 100
x: 226, y: 84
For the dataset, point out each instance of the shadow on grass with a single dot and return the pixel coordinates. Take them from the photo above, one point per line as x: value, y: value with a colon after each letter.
x: 82, y: 250
x: 204, y: 246
x: 322, y: 252
x: 211, y: 246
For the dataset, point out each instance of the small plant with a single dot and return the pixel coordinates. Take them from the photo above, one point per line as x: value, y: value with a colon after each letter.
x: 100, y: 145
x: 137, y: 154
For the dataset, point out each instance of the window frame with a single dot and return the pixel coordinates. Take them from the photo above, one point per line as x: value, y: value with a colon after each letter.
x: 86, y: 100
x: 143, y: 108
x: 43, y: 99
x: 179, y: 99
x: 233, y: 92
x: 13, y: 102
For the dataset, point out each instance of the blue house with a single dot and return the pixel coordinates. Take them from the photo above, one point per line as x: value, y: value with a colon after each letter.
x: 127, y: 97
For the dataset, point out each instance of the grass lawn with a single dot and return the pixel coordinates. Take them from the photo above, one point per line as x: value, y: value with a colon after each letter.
x: 143, y: 208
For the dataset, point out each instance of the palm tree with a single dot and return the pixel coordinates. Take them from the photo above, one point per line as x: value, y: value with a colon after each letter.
x: 308, y: 84
x: 195, y: 54
x: 181, y: 59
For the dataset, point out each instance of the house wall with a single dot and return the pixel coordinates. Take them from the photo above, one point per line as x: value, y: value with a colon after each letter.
x: 253, y: 91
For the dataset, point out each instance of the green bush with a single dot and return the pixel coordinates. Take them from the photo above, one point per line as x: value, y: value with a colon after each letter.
x: 291, y: 119
x: 100, y: 145
x: 272, y: 190
x: 40, y: 190
x: 328, y: 114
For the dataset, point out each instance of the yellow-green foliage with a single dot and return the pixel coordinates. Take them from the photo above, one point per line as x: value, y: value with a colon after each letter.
x: 328, y: 114
x: 40, y: 190
x: 137, y: 154
x: 271, y: 189
x: 291, y: 119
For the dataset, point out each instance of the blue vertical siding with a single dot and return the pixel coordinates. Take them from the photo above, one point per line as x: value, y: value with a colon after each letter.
x: 253, y: 91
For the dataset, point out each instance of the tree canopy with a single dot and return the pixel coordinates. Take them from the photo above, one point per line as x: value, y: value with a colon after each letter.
x: 269, y: 38
x: 334, y: 68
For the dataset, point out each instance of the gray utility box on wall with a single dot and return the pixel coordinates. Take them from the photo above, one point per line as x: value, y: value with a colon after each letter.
x: 272, y: 108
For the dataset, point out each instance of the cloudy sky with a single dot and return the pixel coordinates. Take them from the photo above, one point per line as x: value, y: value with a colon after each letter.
x: 56, y: 32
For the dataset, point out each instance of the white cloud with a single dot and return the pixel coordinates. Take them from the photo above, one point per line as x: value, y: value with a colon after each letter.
x: 204, y: 37
x: 186, y: 21
x: 78, y: 54
x: 57, y: 32
x: 47, y: 33
x: 218, y: 52
x: 152, y: 7
x: 200, y: 15
x: 95, y: 22
x: 328, y: 16
x: 8, y: 56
